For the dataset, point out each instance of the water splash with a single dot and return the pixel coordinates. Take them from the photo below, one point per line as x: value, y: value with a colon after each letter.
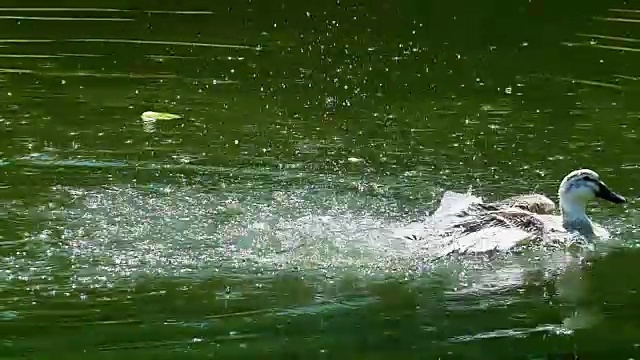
x: 111, y: 234
x: 179, y: 231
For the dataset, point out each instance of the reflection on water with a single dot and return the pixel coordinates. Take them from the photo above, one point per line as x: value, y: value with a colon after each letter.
x: 261, y: 222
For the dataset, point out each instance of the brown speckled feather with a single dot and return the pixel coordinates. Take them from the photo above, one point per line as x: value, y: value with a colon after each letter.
x: 513, y: 217
x: 535, y: 203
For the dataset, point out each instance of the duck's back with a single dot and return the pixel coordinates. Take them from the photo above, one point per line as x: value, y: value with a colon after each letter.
x: 535, y: 203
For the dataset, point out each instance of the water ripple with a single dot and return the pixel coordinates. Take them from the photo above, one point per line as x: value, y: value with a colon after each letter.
x: 159, y: 42
x: 52, y: 18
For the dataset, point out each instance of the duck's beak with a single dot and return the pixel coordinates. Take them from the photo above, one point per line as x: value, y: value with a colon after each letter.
x: 605, y: 193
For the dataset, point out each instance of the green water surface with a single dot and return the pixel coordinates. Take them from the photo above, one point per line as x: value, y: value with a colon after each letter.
x: 247, y: 228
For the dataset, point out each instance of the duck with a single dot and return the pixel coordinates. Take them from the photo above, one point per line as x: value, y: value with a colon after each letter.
x: 534, y: 214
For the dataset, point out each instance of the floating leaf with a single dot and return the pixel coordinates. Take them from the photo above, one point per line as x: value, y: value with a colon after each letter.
x: 153, y: 116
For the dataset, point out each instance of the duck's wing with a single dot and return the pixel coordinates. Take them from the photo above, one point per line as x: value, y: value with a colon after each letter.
x: 516, y: 212
x: 506, y: 218
x: 491, y: 231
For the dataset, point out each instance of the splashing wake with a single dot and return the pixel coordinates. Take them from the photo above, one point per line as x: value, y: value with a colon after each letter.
x: 110, y: 234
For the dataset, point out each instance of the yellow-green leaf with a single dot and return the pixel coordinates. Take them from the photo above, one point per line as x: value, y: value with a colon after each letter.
x: 153, y: 116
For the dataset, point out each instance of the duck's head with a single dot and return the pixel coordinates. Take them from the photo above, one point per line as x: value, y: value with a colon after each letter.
x: 582, y: 186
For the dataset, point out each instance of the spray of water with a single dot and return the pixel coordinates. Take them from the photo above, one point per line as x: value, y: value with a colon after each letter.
x: 106, y: 235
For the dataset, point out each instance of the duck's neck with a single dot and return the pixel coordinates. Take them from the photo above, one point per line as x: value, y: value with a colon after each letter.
x: 574, y: 217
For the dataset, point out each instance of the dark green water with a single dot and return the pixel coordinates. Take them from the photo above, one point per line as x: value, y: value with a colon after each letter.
x: 248, y: 228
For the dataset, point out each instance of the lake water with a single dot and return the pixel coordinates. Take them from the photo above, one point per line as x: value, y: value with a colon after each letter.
x: 253, y: 226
